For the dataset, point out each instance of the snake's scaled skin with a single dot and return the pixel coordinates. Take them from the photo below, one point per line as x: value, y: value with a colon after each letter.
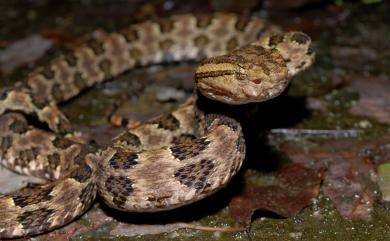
x: 165, y: 163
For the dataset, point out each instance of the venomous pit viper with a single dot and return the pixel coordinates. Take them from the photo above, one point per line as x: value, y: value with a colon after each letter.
x: 168, y: 162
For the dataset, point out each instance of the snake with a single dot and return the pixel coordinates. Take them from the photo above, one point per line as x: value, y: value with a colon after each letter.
x: 167, y: 162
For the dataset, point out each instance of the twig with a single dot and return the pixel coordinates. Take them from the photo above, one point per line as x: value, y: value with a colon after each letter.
x: 350, y: 133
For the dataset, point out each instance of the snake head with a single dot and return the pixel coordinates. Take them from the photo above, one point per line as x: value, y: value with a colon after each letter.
x: 257, y: 72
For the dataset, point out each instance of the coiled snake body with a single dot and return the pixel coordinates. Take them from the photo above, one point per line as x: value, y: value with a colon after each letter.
x: 168, y: 162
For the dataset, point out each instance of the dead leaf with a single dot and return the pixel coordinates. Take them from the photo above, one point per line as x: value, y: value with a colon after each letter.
x: 350, y: 179
x: 298, y: 186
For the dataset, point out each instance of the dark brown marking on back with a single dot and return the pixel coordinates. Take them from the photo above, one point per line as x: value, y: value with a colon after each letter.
x: 36, y: 219
x: 203, y: 20
x: 5, y: 143
x: 130, y: 34
x: 183, y: 138
x: 19, y: 126
x: 71, y: 59
x: 47, y: 72
x: 4, y: 93
x: 57, y: 92
x: 166, y: 44
x: 32, y: 196
x: 201, y: 41
x: 165, y: 25
x: 189, y: 149
x: 135, y: 53
x: 62, y: 143
x: 120, y: 187
x: 79, y: 81
x: 88, y: 193
x: 82, y: 173
x: 232, y: 44
x: 129, y: 138
x: 168, y: 122
x: 195, y: 175
x: 275, y: 39
x: 123, y: 160
x: 26, y: 156
x: 242, y: 22
x: 105, y: 67
x: 96, y: 45
x: 53, y: 160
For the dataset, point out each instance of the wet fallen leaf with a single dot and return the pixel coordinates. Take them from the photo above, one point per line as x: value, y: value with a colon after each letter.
x: 298, y: 185
x: 350, y: 179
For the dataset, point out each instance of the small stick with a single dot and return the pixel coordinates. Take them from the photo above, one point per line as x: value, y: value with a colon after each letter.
x: 349, y: 133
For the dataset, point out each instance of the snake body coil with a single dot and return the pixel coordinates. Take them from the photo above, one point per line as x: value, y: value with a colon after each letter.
x: 168, y: 162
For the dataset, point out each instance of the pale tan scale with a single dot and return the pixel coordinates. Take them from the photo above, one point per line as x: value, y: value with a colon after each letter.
x: 168, y: 162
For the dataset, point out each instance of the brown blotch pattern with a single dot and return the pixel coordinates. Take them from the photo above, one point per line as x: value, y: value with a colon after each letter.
x: 53, y: 161
x: 241, y: 23
x: 165, y: 25
x: 183, y: 138
x: 6, y: 143
x: 120, y: 187
x: 38, y: 218
x: 62, y: 143
x: 82, y: 173
x: 47, y: 72
x: 129, y: 138
x: 166, y: 44
x: 96, y: 46
x: 32, y: 196
x: 189, y: 149
x: 26, y: 156
x: 40, y: 103
x: 195, y: 175
x: 79, y: 80
x: 203, y: 21
x: 70, y: 59
x: 57, y: 92
x: 18, y: 126
x: 232, y: 44
x: 105, y: 67
x: 275, y: 39
x: 130, y: 34
x: 88, y: 193
x: 135, y: 53
x: 168, y: 122
x: 201, y: 40
x: 123, y: 160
